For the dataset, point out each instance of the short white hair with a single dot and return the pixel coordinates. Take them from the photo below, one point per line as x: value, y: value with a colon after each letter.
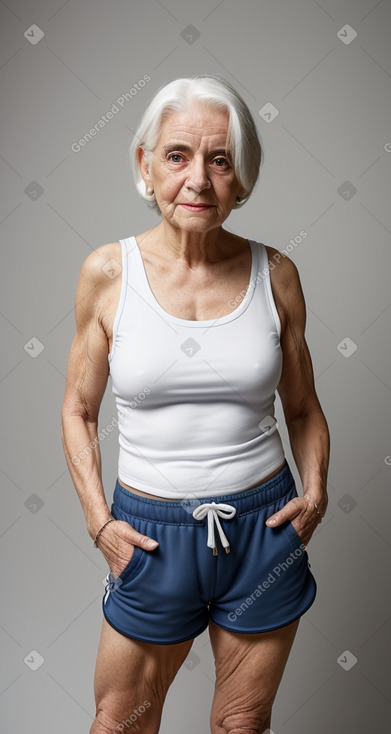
x: 242, y: 142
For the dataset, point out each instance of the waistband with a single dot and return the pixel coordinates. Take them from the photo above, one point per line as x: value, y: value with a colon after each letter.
x: 181, y: 511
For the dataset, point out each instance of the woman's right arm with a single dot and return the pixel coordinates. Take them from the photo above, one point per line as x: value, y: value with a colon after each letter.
x: 86, y: 380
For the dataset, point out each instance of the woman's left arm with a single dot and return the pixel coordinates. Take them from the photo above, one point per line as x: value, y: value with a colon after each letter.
x: 307, y: 427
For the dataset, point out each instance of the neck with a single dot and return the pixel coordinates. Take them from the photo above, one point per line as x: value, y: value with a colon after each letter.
x: 192, y: 248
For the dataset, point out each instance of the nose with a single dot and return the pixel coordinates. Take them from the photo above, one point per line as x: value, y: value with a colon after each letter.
x: 197, y: 179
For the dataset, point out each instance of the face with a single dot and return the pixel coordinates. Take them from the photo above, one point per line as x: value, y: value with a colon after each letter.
x: 190, y: 172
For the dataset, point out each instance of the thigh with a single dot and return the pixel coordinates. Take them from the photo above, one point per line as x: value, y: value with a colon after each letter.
x: 249, y: 669
x: 132, y: 679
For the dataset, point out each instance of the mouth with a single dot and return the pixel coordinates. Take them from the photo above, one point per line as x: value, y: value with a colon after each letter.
x: 197, y: 207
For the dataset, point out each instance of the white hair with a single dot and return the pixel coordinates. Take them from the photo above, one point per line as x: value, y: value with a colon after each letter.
x: 242, y: 142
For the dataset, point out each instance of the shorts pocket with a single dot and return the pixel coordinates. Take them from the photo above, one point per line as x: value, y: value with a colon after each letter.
x: 133, y: 566
x: 294, y: 536
x: 136, y: 562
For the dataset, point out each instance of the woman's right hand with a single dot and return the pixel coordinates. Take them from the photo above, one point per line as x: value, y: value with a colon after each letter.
x: 117, y: 542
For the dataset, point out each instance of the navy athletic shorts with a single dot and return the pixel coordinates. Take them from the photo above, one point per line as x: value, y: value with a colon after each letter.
x: 168, y: 595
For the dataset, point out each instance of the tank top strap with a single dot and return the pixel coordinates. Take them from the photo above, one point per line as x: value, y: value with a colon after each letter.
x: 265, y: 266
x: 135, y: 272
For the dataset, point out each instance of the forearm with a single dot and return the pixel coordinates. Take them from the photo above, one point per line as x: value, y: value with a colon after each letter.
x: 82, y: 453
x: 310, y: 443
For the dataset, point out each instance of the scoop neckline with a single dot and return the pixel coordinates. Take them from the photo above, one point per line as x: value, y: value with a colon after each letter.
x: 208, y: 322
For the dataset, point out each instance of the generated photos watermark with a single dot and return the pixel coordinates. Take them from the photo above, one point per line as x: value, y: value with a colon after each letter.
x: 103, y: 433
x: 277, y: 571
x: 264, y: 273
x: 116, y: 107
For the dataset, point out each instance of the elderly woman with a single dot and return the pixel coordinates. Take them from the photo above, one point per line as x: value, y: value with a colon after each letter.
x: 198, y: 328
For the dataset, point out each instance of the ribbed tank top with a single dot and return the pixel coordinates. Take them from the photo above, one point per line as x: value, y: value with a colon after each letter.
x: 195, y: 399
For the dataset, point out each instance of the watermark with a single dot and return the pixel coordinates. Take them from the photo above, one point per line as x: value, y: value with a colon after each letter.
x: 387, y: 460
x: 347, y: 660
x: 264, y: 273
x: 268, y: 425
x: 126, y: 723
x: 116, y: 107
x: 272, y: 577
x: 347, y: 503
x: 103, y: 433
x: 347, y: 347
x: 347, y: 34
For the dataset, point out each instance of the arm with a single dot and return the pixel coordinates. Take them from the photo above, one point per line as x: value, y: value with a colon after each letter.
x: 86, y: 380
x: 307, y: 428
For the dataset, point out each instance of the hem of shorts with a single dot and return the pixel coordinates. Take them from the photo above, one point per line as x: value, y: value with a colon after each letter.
x: 154, y: 641
x: 273, y: 627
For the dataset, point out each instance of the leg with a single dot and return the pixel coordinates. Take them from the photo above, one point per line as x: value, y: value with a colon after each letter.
x: 249, y: 669
x: 131, y: 682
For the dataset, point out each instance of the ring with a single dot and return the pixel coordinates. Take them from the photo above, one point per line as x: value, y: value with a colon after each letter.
x: 316, y: 508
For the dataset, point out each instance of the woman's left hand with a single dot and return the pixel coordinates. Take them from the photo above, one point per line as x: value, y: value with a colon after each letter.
x: 301, y: 511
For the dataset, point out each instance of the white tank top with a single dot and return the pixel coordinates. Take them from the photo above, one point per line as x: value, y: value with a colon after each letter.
x: 195, y: 399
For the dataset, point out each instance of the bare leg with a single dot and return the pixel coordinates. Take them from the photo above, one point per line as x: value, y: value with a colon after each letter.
x: 249, y: 669
x: 131, y: 682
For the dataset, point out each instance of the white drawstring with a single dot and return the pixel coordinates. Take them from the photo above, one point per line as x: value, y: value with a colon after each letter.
x: 108, y: 586
x: 112, y: 583
x: 213, y: 510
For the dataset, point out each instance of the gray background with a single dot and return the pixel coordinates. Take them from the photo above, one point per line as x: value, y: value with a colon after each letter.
x: 327, y: 172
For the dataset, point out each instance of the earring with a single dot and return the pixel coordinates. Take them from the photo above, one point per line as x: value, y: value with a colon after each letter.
x: 149, y: 191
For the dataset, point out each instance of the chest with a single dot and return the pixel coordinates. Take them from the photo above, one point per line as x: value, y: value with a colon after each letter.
x: 235, y: 361
x: 201, y: 295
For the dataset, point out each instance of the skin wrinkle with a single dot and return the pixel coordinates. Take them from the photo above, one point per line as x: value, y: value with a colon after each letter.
x: 241, y: 707
x: 91, y: 369
x: 88, y: 380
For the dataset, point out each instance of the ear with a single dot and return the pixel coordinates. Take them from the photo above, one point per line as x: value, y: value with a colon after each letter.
x: 143, y: 164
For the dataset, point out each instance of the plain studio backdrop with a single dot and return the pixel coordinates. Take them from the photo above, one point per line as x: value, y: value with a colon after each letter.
x: 317, y: 79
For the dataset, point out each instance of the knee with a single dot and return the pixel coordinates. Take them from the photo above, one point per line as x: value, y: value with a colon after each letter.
x: 247, y: 724
x: 107, y: 723
x: 104, y: 723
x: 248, y: 730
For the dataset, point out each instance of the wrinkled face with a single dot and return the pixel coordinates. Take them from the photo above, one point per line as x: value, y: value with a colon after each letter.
x: 190, y: 172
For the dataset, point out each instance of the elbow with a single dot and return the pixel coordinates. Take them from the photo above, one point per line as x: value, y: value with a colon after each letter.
x: 306, y: 411
x: 312, y: 419
x: 74, y: 406
x: 76, y: 412
x: 70, y: 412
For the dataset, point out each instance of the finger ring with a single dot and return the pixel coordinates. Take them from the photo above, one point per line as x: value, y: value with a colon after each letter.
x: 317, y: 510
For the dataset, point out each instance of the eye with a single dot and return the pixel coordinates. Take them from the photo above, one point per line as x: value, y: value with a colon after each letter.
x: 221, y: 162
x: 174, y: 155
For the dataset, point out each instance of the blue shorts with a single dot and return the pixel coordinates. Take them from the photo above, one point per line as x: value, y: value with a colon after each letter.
x: 168, y: 595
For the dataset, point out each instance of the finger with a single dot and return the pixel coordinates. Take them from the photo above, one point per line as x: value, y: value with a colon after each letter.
x: 288, y: 512
x: 281, y: 516
x: 144, y: 541
x: 275, y: 520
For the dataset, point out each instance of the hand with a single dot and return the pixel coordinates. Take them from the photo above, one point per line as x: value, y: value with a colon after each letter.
x: 302, y: 513
x: 117, y: 543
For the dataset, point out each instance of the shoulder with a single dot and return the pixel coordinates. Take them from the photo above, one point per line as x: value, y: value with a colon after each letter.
x: 93, y: 267
x: 100, y: 267
x: 97, y: 276
x: 282, y: 269
x: 286, y: 286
